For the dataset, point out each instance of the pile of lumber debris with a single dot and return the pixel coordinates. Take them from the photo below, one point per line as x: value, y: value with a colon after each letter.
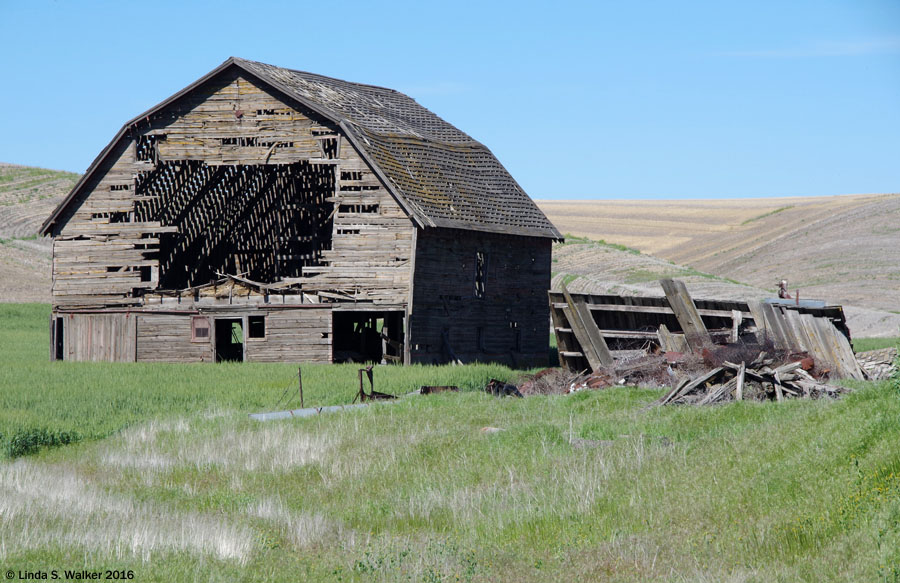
x: 878, y: 364
x: 756, y: 381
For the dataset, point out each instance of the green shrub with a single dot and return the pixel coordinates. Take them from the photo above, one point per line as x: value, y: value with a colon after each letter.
x: 27, y: 441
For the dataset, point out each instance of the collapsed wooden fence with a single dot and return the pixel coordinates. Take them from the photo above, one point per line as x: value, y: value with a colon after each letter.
x: 590, y: 329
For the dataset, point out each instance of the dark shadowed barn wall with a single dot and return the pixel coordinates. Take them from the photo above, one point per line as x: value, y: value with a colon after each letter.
x: 504, y: 319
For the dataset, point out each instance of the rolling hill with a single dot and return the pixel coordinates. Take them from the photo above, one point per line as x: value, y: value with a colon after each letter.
x: 27, y: 197
x: 843, y: 249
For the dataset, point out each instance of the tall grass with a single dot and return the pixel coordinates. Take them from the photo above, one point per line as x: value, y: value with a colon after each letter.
x: 416, y: 491
x: 45, y: 403
x: 590, y: 486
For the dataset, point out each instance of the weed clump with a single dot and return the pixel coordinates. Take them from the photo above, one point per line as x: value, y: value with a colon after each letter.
x: 28, y: 441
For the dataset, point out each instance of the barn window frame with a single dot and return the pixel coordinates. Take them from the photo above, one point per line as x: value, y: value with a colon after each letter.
x: 253, y: 324
x: 200, y: 323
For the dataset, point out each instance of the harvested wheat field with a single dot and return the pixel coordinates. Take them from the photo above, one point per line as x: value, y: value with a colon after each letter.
x: 595, y: 267
x: 842, y: 249
x: 27, y: 197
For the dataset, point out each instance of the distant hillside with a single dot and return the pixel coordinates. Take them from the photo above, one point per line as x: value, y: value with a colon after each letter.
x: 597, y: 267
x: 27, y: 197
x: 844, y: 249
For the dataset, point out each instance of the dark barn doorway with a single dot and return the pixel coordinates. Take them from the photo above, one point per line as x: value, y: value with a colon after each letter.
x: 368, y: 337
x: 229, y: 339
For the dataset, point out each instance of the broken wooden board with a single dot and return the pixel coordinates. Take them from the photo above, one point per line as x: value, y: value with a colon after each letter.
x: 836, y: 346
x: 586, y: 332
x: 759, y: 318
x: 670, y: 342
x: 743, y: 382
x: 737, y: 317
x: 776, y: 328
x: 877, y: 364
x: 739, y: 384
x: 686, y: 312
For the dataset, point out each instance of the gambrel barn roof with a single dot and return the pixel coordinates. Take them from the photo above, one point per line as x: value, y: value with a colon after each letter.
x: 438, y: 174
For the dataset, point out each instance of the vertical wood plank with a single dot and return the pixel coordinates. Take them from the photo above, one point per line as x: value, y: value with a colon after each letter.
x: 840, y: 354
x: 686, y: 312
x: 796, y: 332
x: 736, y: 319
x: 739, y: 387
x: 593, y: 346
x: 759, y: 320
x: 776, y: 328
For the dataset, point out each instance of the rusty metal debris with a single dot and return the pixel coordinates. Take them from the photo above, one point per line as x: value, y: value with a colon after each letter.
x: 372, y: 395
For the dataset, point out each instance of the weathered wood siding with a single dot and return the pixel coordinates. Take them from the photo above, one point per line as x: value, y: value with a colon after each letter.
x: 293, y: 335
x: 508, y: 323
x: 217, y: 179
x: 99, y: 253
x: 100, y: 337
x: 167, y: 338
x: 371, y: 245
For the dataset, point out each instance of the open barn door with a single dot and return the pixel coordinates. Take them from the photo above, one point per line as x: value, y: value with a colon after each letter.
x: 229, y: 339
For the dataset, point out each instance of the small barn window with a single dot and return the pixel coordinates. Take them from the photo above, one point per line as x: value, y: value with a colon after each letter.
x: 256, y: 327
x: 59, y: 338
x: 480, y: 273
x: 199, y: 329
x: 479, y: 339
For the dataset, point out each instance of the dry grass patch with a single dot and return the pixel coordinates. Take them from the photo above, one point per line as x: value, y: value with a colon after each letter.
x: 53, y: 506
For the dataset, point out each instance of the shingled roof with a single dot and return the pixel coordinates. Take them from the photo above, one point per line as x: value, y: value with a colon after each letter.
x: 439, y: 174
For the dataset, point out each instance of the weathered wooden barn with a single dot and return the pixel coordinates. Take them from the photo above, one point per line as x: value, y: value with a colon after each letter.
x: 267, y: 214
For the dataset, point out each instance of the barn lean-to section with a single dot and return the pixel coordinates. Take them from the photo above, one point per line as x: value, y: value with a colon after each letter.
x: 271, y: 215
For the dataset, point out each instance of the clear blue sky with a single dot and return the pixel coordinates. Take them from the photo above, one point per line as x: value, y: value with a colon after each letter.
x: 607, y: 99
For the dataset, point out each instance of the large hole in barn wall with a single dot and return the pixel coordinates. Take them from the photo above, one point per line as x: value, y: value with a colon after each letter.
x: 367, y: 336
x: 264, y: 222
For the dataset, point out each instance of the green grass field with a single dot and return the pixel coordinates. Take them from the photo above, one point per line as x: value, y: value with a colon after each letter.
x: 170, y: 479
x: 93, y: 400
